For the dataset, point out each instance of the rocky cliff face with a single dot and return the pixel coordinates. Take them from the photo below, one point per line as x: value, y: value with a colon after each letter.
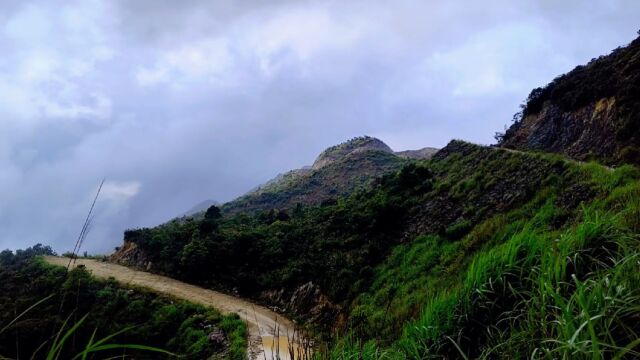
x: 588, y: 132
x: 592, y: 112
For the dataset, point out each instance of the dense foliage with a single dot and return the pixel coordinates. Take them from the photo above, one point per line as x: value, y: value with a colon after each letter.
x: 530, y: 283
x: 342, y: 240
x: 475, y: 252
x: 149, y: 320
x: 346, y: 167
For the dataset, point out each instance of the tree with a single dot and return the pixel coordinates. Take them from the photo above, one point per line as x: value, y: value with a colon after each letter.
x: 213, y: 213
x: 6, y: 257
x: 195, y: 256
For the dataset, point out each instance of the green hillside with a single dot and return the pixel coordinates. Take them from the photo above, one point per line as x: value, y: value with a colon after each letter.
x: 475, y: 251
x: 526, y: 250
x: 338, y: 171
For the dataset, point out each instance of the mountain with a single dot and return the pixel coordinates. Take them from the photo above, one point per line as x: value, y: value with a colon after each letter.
x: 519, y: 251
x: 420, y: 154
x: 336, y: 172
x: 482, y: 245
x: 592, y: 112
x: 200, y: 207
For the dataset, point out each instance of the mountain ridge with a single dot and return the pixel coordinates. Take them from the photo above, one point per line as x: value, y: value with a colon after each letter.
x: 336, y: 171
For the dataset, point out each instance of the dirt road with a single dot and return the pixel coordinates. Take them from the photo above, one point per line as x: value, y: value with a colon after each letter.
x: 262, y: 321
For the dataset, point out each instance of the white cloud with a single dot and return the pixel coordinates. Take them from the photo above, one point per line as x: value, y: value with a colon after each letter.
x: 31, y: 25
x: 48, y: 74
x: 484, y: 64
x: 88, y: 89
x: 202, y: 61
x: 119, y: 191
x: 96, y: 109
x: 271, y: 42
x: 304, y: 32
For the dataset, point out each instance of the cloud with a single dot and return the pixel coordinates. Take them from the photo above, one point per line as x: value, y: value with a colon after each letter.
x: 176, y: 102
x: 120, y: 191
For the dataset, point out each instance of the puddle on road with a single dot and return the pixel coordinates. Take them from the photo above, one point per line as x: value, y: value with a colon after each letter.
x: 278, y: 348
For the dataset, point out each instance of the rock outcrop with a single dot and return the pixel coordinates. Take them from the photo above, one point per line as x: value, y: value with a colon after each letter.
x: 585, y: 133
x: 353, y: 146
x: 592, y: 112
x: 129, y: 254
x: 307, y: 302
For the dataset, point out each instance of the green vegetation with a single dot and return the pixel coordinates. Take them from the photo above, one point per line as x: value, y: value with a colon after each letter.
x: 517, y: 284
x: 337, y: 172
x: 476, y: 253
x: 83, y: 315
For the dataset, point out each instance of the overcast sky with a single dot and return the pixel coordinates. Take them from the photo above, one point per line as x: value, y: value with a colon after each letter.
x: 175, y: 102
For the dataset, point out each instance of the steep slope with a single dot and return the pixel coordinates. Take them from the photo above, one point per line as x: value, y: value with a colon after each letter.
x: 336, y: 172
x: 477, y: 247
x: 258, y: 254
x: 592, y: 112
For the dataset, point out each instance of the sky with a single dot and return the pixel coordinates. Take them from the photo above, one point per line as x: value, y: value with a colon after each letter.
x: 175, y: 102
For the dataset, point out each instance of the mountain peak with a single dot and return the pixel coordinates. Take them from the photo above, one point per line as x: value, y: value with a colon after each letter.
x: 355, y: 145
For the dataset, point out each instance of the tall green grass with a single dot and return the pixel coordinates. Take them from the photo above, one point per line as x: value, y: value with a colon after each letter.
x: 64, y: 334
x: 517, y: 286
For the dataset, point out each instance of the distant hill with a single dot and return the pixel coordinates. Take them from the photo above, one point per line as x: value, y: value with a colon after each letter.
x: 200, y: 207
x: 336, y: 172
x: 592, y: 112
x: 424, y: 153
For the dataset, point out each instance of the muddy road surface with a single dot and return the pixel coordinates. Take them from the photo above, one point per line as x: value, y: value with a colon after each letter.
x: 264, y: 324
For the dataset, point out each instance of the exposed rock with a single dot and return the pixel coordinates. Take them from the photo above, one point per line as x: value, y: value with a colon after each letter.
x: 337, y: 171
x: 338, y: 152
x: 306, y: 301
x: 592, y: 112
x: 129, y: 254
x: 217, y: 338
x: 581, y: 134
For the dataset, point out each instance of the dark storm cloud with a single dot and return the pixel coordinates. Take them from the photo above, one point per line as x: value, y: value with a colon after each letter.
x: 176, y: 102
